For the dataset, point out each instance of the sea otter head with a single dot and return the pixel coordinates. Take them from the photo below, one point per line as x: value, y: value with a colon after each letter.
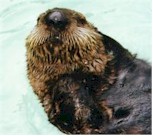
x: 65, y: 36
x: 63, y: 26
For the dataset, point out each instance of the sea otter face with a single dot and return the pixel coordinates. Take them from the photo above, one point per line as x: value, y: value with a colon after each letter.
x: 63, y: 23
x: 64, y: 27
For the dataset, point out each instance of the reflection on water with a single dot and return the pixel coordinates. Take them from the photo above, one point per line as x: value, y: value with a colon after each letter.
x: 127, y: 21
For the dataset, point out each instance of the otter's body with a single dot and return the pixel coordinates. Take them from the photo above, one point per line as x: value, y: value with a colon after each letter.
x: 75, y: 70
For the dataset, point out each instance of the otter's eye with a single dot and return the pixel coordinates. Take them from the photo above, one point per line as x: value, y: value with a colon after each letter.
x: 121, y: 113
x: 38, y: 19
x: 81, y: 21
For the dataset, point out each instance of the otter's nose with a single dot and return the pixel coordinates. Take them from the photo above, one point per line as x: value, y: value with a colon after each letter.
x: 57, y: 19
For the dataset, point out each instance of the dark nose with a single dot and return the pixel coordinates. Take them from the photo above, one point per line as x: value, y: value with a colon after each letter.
x: 57, y: 19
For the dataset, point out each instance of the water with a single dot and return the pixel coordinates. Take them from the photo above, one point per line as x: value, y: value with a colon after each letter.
x: 128, y: 21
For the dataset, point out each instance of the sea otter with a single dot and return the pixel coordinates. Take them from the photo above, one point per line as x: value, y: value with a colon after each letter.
x: 86, y: 81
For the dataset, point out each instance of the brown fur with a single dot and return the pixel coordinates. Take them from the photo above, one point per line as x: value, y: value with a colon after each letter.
x: 69, y: 69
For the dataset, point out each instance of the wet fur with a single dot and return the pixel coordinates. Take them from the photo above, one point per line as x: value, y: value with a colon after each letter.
x: 86, y: 81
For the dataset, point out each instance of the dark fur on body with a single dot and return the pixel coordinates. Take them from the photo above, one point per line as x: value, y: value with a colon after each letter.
x: 87, y: 82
